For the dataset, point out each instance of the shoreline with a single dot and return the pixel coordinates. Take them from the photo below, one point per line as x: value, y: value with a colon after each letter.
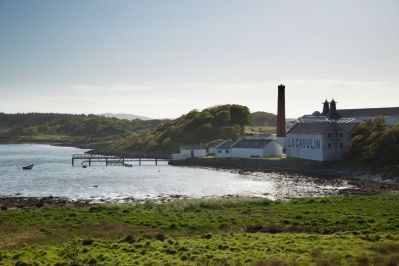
x: 288, y: 166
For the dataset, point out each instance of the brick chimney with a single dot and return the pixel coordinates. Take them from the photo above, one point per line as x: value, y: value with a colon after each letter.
x: 281, y: 111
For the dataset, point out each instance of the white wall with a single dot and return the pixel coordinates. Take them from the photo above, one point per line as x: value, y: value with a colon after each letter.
x: 223, y: 153
x: 273, y: 149
x: 281, y: 141
x: 212, y: 150
x: 246, y: 153
x: 305, y: 146
x: 197, y: 153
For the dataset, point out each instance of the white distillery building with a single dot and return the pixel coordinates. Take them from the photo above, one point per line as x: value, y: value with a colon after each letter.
x: 320, y: 141
x: 190, y: 151
x: 213, y: 146
x: 324, y: 136
x: 223, y: 150
x: 253, y: 147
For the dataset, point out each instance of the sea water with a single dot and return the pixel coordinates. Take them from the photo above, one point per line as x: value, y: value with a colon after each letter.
x: 53, y: 175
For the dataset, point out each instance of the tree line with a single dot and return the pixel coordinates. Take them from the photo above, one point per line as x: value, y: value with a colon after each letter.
x: 375, y: 144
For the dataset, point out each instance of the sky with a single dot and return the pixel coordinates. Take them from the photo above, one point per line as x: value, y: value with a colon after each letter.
x: 161, y: 58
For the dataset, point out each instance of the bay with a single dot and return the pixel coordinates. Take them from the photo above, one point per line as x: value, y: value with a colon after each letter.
x: 53, y: 175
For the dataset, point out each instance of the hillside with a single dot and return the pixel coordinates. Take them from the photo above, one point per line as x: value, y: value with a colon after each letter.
x: 66, y: 128
x: 112, y: 135
x: 221, y: 122
x: 263, y: 119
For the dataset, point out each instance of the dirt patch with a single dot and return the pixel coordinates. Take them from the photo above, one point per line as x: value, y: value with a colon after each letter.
x: 278, y: 229
x: 18, y: 202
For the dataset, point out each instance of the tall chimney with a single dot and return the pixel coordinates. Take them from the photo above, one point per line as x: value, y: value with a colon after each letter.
x: 281, y: 111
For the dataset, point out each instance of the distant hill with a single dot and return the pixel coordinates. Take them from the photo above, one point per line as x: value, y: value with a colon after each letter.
x: 263, y: 119
x: 50, y: 127
x: 126, y: 116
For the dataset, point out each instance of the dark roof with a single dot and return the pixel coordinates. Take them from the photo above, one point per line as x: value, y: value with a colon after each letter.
x: 225, y: 145
x: 348, y: 127
x: 368, y: 112
x: 320, y: 128
x: 251, y: 143
x: 214, y: 145
x: 310, y: 128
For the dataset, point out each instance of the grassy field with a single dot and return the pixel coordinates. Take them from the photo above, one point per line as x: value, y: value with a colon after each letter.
x: 341, y: 230
x: 260, y: 130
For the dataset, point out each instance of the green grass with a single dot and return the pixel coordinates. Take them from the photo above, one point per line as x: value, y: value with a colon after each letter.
x: 262, y: 129
x: 340, y: 230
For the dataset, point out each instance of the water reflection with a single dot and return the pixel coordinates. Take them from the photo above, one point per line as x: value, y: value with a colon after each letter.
x: 53, y: 175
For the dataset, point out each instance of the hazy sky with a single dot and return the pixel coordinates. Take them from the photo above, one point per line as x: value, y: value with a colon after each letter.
x: 164, y: 58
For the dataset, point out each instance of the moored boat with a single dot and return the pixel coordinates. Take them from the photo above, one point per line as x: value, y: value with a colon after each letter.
x: 28, y: 167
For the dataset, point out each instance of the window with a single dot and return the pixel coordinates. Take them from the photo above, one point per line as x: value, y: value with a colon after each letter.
x: 341, y: 135
x: 341, y: 145
x: 227, y: 151
x: 329, y: 145
x: 219, y: 151
x: 329, y: 135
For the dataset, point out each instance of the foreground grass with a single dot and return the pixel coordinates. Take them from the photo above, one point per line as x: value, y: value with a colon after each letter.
x: 350, y: 230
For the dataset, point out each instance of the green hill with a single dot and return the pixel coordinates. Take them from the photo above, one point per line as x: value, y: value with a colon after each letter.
x: 259, y: 119
x: 221, y: 122
x: 123, y: 136
x: 52, y: 127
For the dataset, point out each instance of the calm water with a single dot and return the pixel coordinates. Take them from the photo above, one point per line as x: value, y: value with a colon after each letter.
x: 53, y: 175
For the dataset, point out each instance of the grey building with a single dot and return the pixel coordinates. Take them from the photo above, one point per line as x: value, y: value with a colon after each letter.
x: 323, y: 136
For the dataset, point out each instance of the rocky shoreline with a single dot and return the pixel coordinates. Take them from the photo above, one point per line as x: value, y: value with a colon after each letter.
x: 289, y: 166
x: 362, y: 181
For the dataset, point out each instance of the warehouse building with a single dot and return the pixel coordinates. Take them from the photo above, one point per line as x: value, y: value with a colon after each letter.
x: 253, y: 148
x: 323, y: 136
x: 223, y: 150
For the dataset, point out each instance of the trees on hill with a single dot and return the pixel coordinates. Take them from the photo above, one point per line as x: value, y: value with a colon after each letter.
x: 221, y: 122
x: 224, y: 122
x: 27, y: 125
x: 375, y: 144
x: 263, y: 119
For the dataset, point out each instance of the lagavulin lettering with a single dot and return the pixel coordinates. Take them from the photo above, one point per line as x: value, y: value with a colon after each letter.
x: 304, y: 143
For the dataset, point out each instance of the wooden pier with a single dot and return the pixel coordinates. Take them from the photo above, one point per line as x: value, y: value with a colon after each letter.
x: 88, y: 159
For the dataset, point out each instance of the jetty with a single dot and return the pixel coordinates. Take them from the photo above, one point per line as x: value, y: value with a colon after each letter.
x: 88, y: 159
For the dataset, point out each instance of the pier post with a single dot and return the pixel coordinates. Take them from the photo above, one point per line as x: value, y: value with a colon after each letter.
x: 139, y: 161
x: 106, y: 161
x: 156, y: 161
x: 89, y: 161
x: 73, y: 161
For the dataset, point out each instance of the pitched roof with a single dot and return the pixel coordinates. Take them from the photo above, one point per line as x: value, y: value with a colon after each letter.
x: 225, y: 145
x: 320, y: 127
x: 369, y: 112
x: 251, y: 143
x: 217, y: 143
x: 310, y: 128
x: 348, y: 127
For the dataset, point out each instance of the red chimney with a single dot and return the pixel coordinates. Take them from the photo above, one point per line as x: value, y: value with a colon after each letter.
x: 281, y: 111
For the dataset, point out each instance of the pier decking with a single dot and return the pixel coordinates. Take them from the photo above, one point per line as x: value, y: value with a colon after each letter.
x: 112, y: 160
